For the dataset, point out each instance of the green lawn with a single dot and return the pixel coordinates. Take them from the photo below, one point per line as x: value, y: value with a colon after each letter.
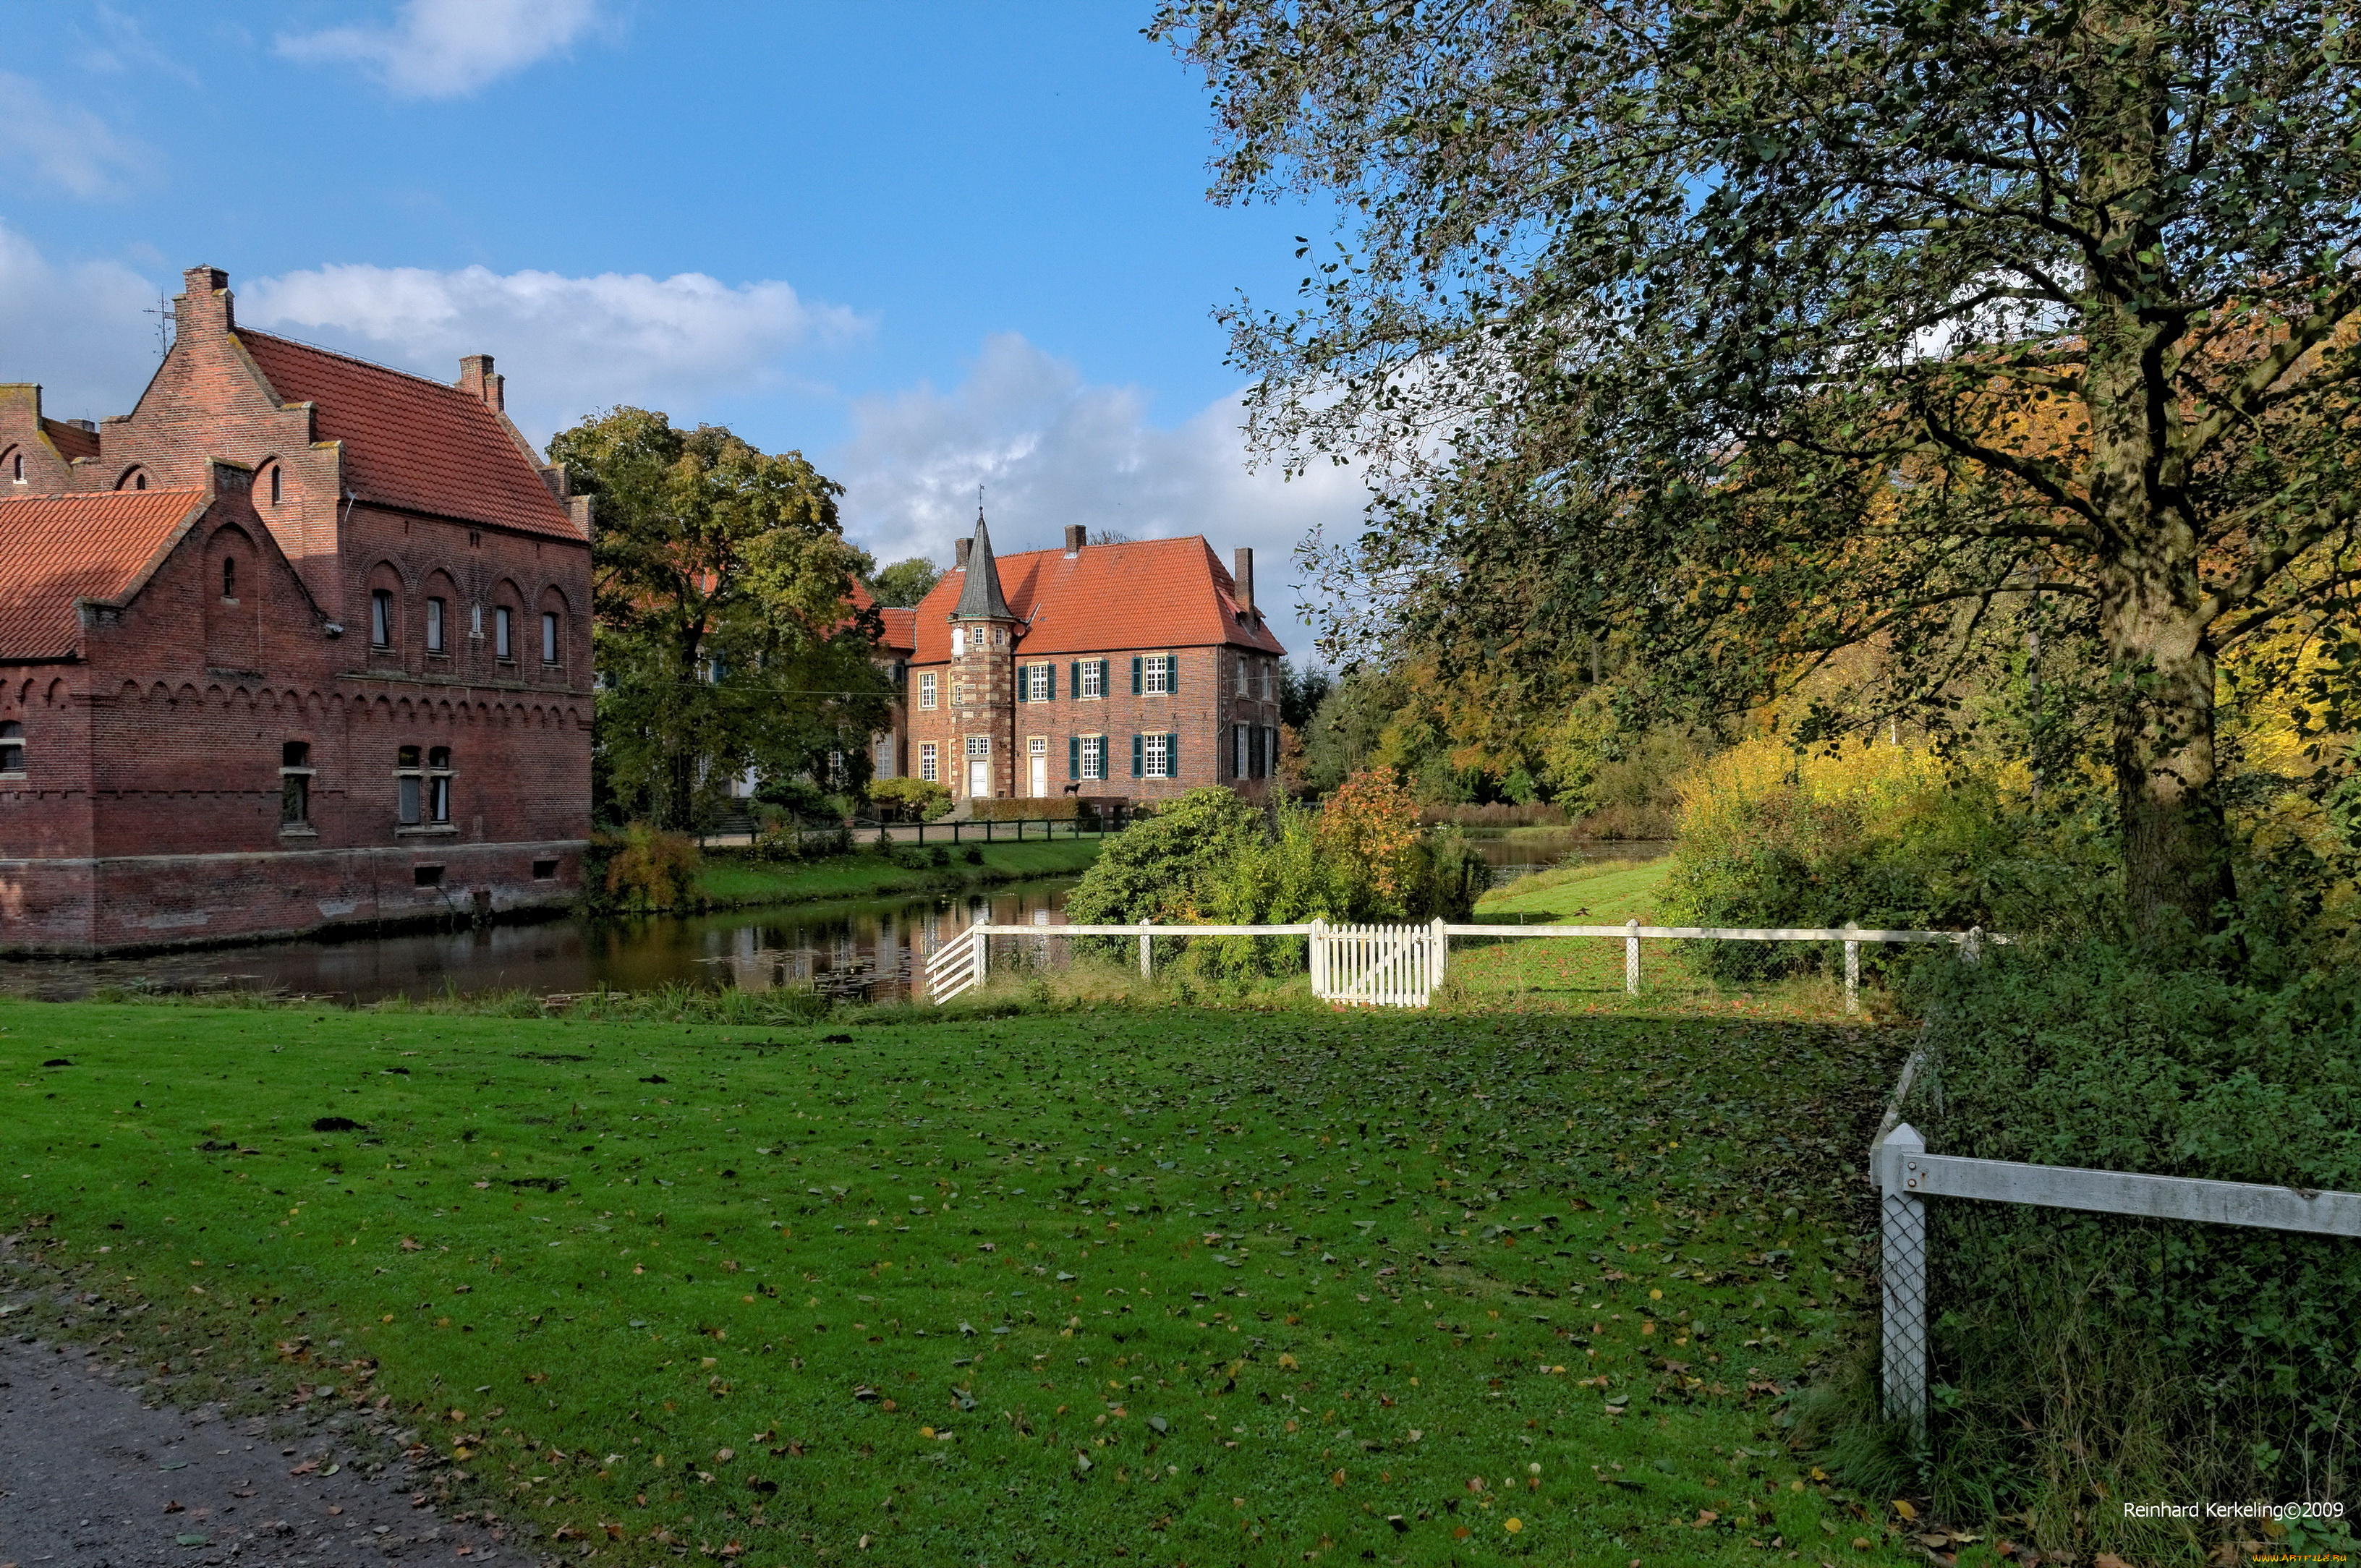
x: 729, y: 879
x: 1585, y: 974
x: 1180, y: 1287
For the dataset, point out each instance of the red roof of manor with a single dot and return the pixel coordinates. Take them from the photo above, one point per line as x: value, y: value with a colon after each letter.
x: 57, y: 549
x: 412, y: 443
x: 901, y: 627
x: 1151, y: 593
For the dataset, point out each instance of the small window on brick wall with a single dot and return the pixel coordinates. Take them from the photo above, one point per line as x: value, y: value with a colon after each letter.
x: 544, y: 870
x: 12, y: 747
x: 549, y: 637
x: 436, y: 610
x: 295, y: 785
x: 421, y: 792
x: 503, y: 632
x: 275, y: 487
x: 381, y: 618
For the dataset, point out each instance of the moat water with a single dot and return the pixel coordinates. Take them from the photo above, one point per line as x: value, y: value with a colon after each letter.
x: 865, y: 949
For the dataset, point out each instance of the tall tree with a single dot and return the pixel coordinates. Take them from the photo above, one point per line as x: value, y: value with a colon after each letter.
x: 1757, y: 333
x: 725, y: 641
x: 904, y: 583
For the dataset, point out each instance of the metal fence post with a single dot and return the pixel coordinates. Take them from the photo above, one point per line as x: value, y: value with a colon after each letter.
x: 1902, y: 1278
x: 1852, y: 970
x: 1631, y: 957
x: 1146, y: 951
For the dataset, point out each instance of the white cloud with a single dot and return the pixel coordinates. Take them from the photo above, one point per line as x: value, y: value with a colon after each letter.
x: 567, y: 345
x: 1052, y: 449
x: 69, y: 147
x: 448, y: 48
x: 76, y: 329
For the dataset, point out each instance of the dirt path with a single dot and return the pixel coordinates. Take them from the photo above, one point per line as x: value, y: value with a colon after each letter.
x: 90, y: 1476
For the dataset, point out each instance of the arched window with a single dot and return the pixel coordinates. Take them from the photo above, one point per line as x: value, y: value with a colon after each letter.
x: 12, y: 747
x: 274, y: 483
x: 16, y: 468
x: 229, y: 578
x: 133, y: 479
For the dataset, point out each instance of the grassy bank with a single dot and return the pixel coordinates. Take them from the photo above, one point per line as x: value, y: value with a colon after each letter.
x: 728, y: 881
x: 1173, y: 1286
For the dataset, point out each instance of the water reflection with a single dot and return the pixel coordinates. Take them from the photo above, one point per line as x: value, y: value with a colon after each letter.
x: 866, y: 950
x: 1525, y: 851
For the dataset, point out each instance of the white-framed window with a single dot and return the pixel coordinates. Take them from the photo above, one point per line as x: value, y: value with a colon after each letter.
x: 1037, y: 683
x: 1157, y: 676
x: 979, y: 745
x: 1089, y: 682
x: 1237, y: 750
x: 884, y: 764
x: 1157, y: 753
x: 929, y: 763
x: 926, y: 690
x: 1089, y: 756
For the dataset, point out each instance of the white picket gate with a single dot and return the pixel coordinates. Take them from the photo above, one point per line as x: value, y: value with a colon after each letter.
x: 957, y: 965
x: 1377, y: 966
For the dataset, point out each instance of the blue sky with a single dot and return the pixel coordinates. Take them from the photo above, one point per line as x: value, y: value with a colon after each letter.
x: 928, y: 244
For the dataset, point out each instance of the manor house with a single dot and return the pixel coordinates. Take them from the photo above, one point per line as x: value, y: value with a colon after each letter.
x: 1138, y: 670
x: 299, y: 641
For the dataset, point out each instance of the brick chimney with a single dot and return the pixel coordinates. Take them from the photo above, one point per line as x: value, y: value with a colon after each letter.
x: 959, y: 547
x: 1242, y: 577
x: 204, y: 302
x: 477, y: 379
x: 1075, y: 534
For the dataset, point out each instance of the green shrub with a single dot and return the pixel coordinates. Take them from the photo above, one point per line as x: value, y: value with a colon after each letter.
x: 2080, y: 1360
x: 1880, y: 836
x: 649, y: 868
x: 908, y: 800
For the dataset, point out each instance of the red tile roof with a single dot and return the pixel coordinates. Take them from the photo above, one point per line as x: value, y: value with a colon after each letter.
x: 412, y: 443
x: 57, y: 549
x: 71, y: 440
x: 901, y: 627
x: 1152, y: 593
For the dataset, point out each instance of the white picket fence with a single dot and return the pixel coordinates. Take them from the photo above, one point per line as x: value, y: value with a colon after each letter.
x: 1401, y: 966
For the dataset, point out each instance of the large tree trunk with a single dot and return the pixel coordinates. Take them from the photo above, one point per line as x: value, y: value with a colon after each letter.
x: 2150, y: 585
x: 2177, y: 868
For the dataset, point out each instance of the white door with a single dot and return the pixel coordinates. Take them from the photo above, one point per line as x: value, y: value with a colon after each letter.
x: 978, y: 777
x: 1041, y: 778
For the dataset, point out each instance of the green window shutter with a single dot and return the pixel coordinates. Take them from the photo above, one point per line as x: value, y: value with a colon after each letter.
x: 1139, y: 749
x: 1023, y: 679
x: 1136, y: 688
x: 1050, y: 675
x: 1172, y: 756
x: 1172, y: 674
x: 1073, y: 756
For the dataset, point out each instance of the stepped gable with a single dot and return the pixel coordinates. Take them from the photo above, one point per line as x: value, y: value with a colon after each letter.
x: 55, y: 550
x: 414, y: 443
x: 1150, y: 593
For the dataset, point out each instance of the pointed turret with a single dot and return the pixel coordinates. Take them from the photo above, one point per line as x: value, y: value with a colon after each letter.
x: 980, y: 598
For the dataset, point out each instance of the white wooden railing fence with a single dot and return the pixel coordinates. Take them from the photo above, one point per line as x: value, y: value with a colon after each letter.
x: 1906, y: 1176
x: 1401, y: 966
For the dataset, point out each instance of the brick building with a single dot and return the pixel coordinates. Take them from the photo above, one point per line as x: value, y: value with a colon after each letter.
x: 1138, y: 670
x: 299, y: 641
